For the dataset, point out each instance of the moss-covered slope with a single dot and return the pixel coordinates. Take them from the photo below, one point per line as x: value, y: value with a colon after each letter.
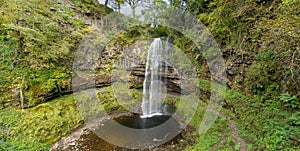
x: 38, y: 39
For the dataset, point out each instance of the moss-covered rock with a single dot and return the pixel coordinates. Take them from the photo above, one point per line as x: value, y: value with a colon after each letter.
x: 37, y: 128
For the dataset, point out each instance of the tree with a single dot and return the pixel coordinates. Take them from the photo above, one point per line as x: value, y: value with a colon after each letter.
x: 133, y: 4
x: 114, y: 4
x: 119, y: 2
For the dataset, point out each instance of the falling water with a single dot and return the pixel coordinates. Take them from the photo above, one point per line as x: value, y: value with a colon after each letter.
x: 154, y: 86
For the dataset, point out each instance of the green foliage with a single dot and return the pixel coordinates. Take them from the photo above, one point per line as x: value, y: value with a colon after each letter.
x: 263, y: 29
x: 38, y: 40
x: 282, y: 134
x: 37, y: 44
x: 294, y: 120
x: 290, y: 101
x: 269, y: 33
x: 118, y: 98
x: 109, y: 102
x: 261, y: 121
x: 111, y: 99
x: 195, y: 121
x: 37, y: 128
x: 23, y: 145
x: 213, y: 136
x: 264, y: 123
x: 93, y: 7
x: 261, y: 75
x: 278, y: 51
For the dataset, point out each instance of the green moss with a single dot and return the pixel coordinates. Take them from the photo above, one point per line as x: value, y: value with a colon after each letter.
x: 248, y: 111
x: 40, y: 126
x: 93, y: 7
x: 38, y: 44
x: 212, y: 136
x: 119, y: 98
x: 38, y: 40
x: 229, y: 145
x: 197, y: 118
x: 111, y: 99
x: 262, y: 123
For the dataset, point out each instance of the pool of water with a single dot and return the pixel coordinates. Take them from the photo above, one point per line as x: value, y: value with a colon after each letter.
x: 135, y: 132
x: 138, y: 122
x: 125, y: 132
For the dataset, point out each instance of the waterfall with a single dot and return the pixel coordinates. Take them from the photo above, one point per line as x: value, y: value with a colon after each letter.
x: 154, y: 86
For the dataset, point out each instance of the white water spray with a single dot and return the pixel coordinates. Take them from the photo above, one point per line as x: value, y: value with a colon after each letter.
x: 154, y: 86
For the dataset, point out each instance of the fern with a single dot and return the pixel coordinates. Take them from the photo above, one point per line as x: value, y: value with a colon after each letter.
x: 290, y: 101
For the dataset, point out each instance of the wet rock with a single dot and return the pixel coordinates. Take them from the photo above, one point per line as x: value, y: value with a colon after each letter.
x: 230, y: 67
x: 240, y: 79
x: 52, y: 9
x: 236, y: 64
x: 88, y: 13
x: 103, y: 80
x: 71, y: 7
x: 60, y: 11
x: 239, y: 60
x: 233, y: 71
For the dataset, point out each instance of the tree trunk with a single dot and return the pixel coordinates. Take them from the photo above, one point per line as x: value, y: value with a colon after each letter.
x: 59, y: 89
x: 133, y: 12
x: 21, y: 98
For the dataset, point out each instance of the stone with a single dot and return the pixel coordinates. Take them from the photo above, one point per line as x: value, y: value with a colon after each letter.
x: 233, y: 71
x: 52, y: 9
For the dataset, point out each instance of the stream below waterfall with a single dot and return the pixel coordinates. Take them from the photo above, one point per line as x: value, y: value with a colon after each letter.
x: 161, y: 132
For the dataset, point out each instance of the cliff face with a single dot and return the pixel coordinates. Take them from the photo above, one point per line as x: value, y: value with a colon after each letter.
x: 38, y: 41
x: 125, y: 64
